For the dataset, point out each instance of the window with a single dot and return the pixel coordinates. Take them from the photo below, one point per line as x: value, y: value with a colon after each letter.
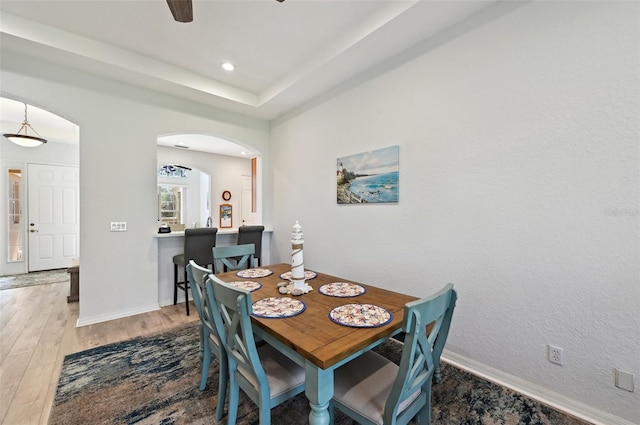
x: 172, y: 204
x: 14, y: 215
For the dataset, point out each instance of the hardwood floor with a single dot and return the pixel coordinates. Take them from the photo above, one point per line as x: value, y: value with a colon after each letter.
x: 38, y: 328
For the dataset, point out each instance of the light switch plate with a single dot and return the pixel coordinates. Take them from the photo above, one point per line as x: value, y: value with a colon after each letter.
x: 118, y: 226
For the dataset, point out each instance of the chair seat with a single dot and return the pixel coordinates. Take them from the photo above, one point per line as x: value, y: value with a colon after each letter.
x: 178, y: 259
x: 364, y: 385
x: 215, y: 341
x: 282, y: 373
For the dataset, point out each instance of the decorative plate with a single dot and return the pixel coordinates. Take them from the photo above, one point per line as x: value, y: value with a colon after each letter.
x: 341, y: 289
x: 277, y: 307
x: 249, y: 285
x: 253, y: 273
x: 360, y: 315
x: 308, y: 274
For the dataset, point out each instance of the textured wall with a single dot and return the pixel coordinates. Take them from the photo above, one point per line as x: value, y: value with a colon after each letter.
x: 518, y: 183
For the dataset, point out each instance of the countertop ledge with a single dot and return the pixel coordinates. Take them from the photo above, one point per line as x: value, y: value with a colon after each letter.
x: 180, y: 233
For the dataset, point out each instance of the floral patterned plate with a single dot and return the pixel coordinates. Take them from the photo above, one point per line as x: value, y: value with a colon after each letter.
x: 341, y: 289
x: 360, y: 315
x: 249, y: 285
x: 254, y: 273
x: 308, y: 274
x: 277, y: 307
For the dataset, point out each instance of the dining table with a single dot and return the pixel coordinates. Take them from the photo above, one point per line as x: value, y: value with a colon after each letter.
x: 333, y: 323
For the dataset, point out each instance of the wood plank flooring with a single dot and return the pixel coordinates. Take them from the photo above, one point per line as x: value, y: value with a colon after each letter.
x: 38, y: 328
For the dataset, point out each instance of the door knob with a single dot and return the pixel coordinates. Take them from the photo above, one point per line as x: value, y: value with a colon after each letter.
x: 33, y: 230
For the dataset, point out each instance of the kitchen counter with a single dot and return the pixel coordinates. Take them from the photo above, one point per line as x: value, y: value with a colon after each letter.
x: 170, y: 244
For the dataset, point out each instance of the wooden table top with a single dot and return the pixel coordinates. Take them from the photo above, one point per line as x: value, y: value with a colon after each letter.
x: 311, y: 333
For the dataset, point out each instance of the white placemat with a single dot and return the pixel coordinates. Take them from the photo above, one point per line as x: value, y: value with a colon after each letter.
x: 254, y: 273
x: 249, y: 285
x: 341, y: 289
x: 308, y: 274
x: 360, y: 315
x: 277, y: 307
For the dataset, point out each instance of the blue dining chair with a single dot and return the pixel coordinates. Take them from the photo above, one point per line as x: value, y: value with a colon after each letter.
x: 234, y: 257
x: 209, y: 339
x: 265, y: 375
x: 373, y: 390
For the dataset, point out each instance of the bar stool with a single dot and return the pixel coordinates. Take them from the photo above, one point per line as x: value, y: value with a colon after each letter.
x: 198, y: 246
x: 252, y: 235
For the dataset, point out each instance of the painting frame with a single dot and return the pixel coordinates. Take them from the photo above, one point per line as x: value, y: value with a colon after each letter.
x: 371, y: 177
x: 226, y: 216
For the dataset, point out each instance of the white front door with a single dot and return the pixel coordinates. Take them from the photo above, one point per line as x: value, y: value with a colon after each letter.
x: 54, y: 219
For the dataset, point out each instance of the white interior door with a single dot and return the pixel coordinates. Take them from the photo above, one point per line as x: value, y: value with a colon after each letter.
x: 248, y: 217
x: 54, y: 219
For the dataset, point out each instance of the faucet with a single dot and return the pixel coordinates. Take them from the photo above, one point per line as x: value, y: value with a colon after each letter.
x: 209, y: 221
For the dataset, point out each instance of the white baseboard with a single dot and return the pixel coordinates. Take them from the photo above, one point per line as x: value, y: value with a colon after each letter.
x: 169, y: 301
x: 119, y: 315
x: 565, y: 404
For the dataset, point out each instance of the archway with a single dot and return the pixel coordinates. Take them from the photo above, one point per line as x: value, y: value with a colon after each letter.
x: 233, y: 169
x: 61, y: 150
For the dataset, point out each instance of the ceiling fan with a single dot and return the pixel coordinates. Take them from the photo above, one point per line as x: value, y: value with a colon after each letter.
x: 182, y: 10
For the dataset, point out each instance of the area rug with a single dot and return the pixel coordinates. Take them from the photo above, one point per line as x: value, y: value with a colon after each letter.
x: 154, y: 380
x: 35, y: 278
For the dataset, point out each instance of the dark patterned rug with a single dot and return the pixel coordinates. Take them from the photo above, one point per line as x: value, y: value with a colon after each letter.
x: 35, y: 278
x: 154, y: 380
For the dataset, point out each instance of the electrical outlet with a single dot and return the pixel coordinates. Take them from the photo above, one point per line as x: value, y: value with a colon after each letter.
x: 556, y: 355
x: 624, y: 380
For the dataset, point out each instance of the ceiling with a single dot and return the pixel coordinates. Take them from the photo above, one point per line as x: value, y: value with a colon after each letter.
x: 286, y: 54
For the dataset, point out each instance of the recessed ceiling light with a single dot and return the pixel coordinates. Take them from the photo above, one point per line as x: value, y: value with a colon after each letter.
x: 228, y: 66
x: 243, y: 153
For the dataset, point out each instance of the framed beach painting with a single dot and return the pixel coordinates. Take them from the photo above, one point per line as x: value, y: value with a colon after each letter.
x: 226, y: 216
x: 369, y: 177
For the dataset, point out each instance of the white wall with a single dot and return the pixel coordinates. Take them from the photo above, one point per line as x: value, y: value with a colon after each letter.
x: 518, y: 183
x: 119, y: 126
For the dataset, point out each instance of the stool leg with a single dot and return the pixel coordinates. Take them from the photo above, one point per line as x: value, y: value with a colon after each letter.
x: 175, y: 283
x: 186, y: 290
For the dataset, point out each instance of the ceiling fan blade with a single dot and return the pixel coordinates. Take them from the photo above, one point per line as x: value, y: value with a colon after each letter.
x: 182, y: 10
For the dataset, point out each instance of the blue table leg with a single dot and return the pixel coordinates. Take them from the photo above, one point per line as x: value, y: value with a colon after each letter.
x: 319, y: 390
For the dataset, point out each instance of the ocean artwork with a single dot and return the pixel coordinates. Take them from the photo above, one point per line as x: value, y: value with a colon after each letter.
x: 368, y: 177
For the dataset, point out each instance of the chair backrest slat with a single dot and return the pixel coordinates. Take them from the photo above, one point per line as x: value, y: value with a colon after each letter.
x: 234, y: 257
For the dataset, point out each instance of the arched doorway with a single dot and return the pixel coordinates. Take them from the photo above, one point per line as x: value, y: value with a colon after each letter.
x: 26, y: 224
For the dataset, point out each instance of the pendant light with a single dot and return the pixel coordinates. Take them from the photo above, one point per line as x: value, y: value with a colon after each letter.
x: 25, y: 139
